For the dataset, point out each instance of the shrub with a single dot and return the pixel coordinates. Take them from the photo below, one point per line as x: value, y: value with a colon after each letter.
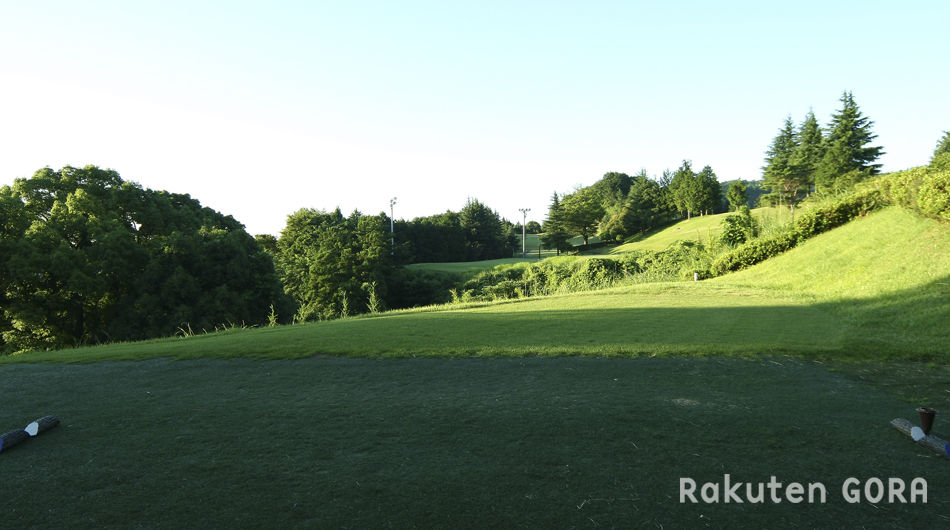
x: 809, y: 224
x: 739, y: 228
x: 933, y: 199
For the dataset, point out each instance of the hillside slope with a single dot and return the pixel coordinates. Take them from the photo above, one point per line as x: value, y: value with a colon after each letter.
x: 878, y: 287
x: 887, y: 274
x: 701, y: 228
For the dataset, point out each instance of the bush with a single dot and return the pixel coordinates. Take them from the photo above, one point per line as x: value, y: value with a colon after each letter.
x: 739, y: 228
x: 933, y: 199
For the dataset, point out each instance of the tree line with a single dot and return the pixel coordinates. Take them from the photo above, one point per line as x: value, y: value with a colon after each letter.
x: 86, y: 258
x: 807, y: 158
x: 620, y: 205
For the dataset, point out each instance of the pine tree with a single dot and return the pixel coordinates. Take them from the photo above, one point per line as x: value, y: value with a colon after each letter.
x: 779, y: 173
x: 710, y: 191
x: 555, y: 235
x: 810, y: 149
x: 848, y: 157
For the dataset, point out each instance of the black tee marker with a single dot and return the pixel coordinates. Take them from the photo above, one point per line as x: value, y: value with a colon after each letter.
x: 12, y: 438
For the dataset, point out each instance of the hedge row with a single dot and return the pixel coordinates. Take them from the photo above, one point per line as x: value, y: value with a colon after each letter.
x: 925, y: 190
x: 809, y: 224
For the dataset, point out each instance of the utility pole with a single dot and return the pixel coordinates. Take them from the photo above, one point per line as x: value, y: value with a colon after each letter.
x: 524, y: 236
x: 392, y: 228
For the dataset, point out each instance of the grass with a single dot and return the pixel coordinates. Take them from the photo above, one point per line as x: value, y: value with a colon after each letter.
x: 868, y: 290
x: 701, y: 228
x: 468, y: 268
x: 567, y: 411
x: 452, y: 443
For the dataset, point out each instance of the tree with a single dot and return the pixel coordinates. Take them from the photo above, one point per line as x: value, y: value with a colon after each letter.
x: 737, y: 195
x: 809, y: 151
x: 847, y: 157
x: 646, y: 207
x: 333, y: 265
x: 485, y: 234
x: 555, y: 236
x: 533, y: 227
x: 780, y: 174
x: 685, y: 189
x: 89, y: 258
x: 710, y: 194
x: 581, y: 212
x: 941, y: 157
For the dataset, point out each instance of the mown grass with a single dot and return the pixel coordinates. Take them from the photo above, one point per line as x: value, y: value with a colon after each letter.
x: 449, y: 443
x: 878, y: 288
x: 566, y: 411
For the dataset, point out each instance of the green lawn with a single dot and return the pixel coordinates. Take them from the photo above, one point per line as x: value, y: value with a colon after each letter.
x: 449, y: 443
x: 567, y: 411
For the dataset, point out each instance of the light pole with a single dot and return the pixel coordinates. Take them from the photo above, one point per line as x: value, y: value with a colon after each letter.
x: 392, y: 228
x: 524, y: 219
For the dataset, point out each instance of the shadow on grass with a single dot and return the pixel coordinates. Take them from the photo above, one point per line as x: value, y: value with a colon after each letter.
x: 910, y: 324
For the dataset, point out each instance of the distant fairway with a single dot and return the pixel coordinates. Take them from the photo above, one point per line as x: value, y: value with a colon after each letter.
x: 571, y: 410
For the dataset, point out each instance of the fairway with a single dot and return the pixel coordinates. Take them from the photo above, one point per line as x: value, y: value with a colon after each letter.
x: 451, y: 443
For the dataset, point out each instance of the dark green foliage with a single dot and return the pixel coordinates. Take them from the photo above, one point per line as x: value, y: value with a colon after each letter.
x: 809, y: 151
x: 847, y: 157
x: 782, y: 173
x: 581, y: 212
x: 612, y: 188
x: 685, y: 190
x: 710, y: 193
x: 413, y: 288
x: 737, y: 195
x: 432, y: 239
x: 487, y: 235
x: 267, y: 242
x: 88, y: 258
x: 739, y: 227
x: 555, y: 236
x: 325, y: 260
x: 646, y: 207
x: 532, y: 227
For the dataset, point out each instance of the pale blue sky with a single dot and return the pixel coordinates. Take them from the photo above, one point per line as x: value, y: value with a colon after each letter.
x: 260, y: 108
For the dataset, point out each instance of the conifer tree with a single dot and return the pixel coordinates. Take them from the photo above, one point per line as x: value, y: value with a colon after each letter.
x: 810, y: 149
x: 780, y: 174
x: 555, y: 235
x: 848, y: 157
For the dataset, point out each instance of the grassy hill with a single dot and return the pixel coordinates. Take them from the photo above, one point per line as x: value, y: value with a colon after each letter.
x: 575, y: 410
x: 702, y: 228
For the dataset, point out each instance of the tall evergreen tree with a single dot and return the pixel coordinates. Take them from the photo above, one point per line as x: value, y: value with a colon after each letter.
x: 848, y: 157
x: 710, y: 194
x: 685, y: 189
x: 555, y: 236
x: 779, y: 173
x: 810, y: 149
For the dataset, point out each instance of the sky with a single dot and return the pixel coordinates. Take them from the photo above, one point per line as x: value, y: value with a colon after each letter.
x: 258, y: 109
